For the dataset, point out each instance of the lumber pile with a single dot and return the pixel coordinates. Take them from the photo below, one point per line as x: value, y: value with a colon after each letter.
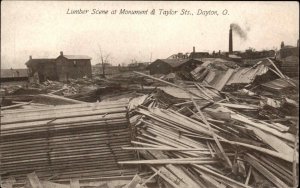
x: 66, y: 141
x: 220, y: 144
x: 34, y: 181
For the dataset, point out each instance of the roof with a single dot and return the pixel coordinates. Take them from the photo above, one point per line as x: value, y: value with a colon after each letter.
x: 41, y: 60
x: 181, y: 94
x: 208, y: 61
x: 289, y: 46
x: 76, y: 57
x: 11, y: 73
x: 173, y: 62
x: 247, y: 75
x: 218, y: 62
x: 219, y: 78
x: 255, y: 61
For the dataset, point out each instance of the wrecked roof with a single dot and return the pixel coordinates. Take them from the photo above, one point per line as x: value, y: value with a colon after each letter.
x: 181, y: 94
x: 219, y: 78
x: 208, y: 61
x: 280, y: 84
x: 173, y: 62
x: 251, y: 62
x: 247, y: 75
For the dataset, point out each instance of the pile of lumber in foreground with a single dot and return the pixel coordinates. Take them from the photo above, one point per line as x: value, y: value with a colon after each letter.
x: 223, y: 144
x: 33, y: 181
x: 80, y: 140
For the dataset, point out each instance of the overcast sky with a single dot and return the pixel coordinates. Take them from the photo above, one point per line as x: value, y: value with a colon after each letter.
x: 43, y: 29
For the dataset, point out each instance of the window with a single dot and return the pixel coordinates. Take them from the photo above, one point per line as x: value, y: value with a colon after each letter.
x: 74, y: 63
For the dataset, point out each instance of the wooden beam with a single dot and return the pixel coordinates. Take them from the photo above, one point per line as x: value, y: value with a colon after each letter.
x: 171, y: 161
x: 266, y: 173
x: 134, y: 182
x: 248, y: 176
x: 34, y: 180
x: 213, y: 134
x: 152, y: 176
x: 14, y: 106
x: 74, y: 183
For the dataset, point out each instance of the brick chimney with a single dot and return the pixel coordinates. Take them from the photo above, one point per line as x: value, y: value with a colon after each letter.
x: 30, y: 57
x: 282, y: 44
x: 61, y: 53
x: 230, y: 40
x: 194, y: 49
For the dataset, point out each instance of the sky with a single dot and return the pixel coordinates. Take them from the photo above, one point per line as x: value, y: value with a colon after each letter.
x: 43, y: 29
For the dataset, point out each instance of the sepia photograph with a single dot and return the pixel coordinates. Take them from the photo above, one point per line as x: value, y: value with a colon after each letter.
x: 149, y: 94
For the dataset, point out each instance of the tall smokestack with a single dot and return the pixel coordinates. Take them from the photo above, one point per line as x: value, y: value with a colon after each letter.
x: 230, y: 40
x: 194, y: 49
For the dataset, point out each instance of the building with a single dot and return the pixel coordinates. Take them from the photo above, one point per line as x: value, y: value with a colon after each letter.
x: 195, y: 54
x: 179, y: 56
x: 73, y: 66
x: 39, y: 70
x: 288, y: 57
x: 166, y: 66
x: 286, y: 51
x: 61, y: 68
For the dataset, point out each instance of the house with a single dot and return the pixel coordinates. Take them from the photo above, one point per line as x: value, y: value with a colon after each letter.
x: 166, y: 66
x: 288, y: 57
x: 287, y: 50
x: 199, y: 55
x: 8, y: 75
x: 73, y: 66
x: 290, y: 66
x: 61, y: 68
x: 41, y: 69
x: 137, y: 66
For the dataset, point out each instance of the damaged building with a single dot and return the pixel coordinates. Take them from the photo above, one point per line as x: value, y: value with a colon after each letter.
x: 166, y: 66
x: 62, y: 68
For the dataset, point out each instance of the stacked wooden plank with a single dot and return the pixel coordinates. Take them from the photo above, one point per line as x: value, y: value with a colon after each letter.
x: 65, y: 141
x: 216, y: 145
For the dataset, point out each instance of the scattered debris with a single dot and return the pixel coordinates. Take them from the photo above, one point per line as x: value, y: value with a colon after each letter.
x: 217, y: 125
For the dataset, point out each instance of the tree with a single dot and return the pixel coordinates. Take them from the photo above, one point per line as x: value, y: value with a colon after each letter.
x: 104, y: 58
